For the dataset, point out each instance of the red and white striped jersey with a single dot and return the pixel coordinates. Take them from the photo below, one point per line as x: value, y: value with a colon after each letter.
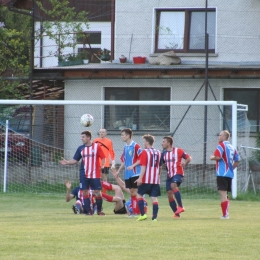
x: 90, y: 163
x: 151, y: 159
x: 172, y: 159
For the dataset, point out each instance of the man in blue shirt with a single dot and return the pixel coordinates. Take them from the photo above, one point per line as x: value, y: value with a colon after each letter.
x: 227, y: 160
x: 130, y: 163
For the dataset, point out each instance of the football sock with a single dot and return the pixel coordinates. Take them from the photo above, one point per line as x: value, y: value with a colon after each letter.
x: 173, y: 205
x: 177, y: 195
x: 78, y: 205
x: 99, y: 202
x: 106, y: 185
x: 107, y: 197
x: 155, y: 210
x: 134, y: 204
x: 224, y: 207
x: 141, y: 205
x: 86, y: 205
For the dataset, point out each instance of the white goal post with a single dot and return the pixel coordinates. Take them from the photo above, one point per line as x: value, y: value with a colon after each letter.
x: 102, y: 104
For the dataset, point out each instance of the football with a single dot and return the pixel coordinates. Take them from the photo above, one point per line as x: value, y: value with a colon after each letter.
x: 87, y: 120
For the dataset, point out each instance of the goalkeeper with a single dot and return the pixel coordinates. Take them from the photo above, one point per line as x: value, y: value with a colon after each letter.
x: 106, y: 145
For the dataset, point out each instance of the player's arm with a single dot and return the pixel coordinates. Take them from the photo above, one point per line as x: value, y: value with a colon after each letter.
x: 186, y: 161
x: 102, y: 156
x: 120, y: 168
x: 139, y: 181
x: 235, y: 164
x: 215, y: 158
x: 69, y: 196
x: 119, y: 181
x: 103, y: 162
x: 112, y: 154
x: 68, y: 162
x: 131, y: 167
x: 217, y: 154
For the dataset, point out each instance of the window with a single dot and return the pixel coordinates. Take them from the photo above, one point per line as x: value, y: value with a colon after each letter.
x: 91, y: 38
x: 250, y: 97
x: 183, y: 30
x: 141, y: 118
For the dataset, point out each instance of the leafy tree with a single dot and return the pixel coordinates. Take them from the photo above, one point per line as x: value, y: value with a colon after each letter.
x: 62, y: 24
x: 14, y: 51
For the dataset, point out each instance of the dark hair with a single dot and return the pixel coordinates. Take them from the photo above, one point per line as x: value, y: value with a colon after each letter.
x: 87, y: 133
x: 169, y: 139
x: 128, y: 131
x: 149, y: 138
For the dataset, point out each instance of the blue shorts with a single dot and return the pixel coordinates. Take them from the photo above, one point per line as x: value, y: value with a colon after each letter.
x: 153, y: 190
x: 86, y: 183
x: 175, y: 179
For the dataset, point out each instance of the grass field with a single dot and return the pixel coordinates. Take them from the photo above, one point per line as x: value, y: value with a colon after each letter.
x: 44, y: 227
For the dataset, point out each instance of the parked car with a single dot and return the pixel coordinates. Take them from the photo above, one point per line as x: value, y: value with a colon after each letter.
x: 18, y: 141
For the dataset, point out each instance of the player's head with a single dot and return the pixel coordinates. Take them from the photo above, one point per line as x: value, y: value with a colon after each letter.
x: 148, y: 140
x: 126, y: 134
x: 223, y: 136
x: 86, y: 136
x: 102, y: 132
x: 167, y: 142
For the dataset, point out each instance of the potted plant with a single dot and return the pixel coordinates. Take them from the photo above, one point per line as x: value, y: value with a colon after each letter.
x: 85, y: 56
x: 75, y: 59
x: 62, y: 61
x: 104, y: 54
x: 123, y: 59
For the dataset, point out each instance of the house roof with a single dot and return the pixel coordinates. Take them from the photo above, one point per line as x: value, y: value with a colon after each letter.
x: 129, y: 70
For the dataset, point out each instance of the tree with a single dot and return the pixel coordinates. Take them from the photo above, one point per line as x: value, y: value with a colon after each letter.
x: 14, y: 52
x: 62, y: 24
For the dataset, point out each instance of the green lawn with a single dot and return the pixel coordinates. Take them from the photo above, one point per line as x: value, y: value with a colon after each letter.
x: 44, y: 227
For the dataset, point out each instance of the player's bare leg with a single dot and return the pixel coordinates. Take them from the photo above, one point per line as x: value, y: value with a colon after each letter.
x: 104, y: 177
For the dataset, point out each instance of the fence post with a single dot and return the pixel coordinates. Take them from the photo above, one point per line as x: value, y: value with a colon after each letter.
x: 6, y: 154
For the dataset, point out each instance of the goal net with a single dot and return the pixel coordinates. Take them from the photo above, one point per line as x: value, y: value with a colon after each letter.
x: 35, y: 135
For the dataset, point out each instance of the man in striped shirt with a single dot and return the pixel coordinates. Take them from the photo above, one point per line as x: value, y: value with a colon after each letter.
x: 149, y: 179
x: 90, y: 170
x: 175, y: 159
x: 227, y: 160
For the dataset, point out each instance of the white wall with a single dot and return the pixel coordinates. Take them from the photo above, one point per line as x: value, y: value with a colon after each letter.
x: 190, y: 133
x: 237, y: 28
x: 50, y: 47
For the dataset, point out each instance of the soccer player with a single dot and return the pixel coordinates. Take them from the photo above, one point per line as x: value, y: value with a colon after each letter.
x: 75, y: 193
x: 89, y: 153
x: 118, y: 199
x: 130, y: 162
x: 175, y: 159
x: 227, y: 159
x: 128, y: 204
x: 107, y: 148
x: 149, y: 179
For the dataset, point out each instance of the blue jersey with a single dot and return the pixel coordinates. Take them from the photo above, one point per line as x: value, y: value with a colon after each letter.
x: 228, y: 155
x: 130, y: 155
